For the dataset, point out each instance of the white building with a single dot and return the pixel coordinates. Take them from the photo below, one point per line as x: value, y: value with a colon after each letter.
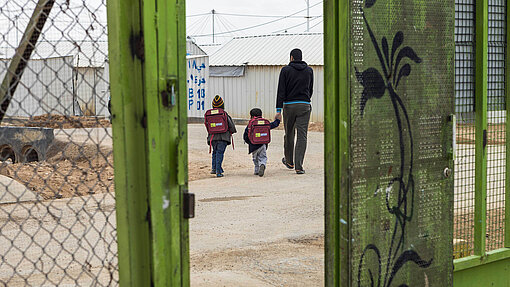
x: 245, y: 72
x: 67, y: 78
x: 197, y: 80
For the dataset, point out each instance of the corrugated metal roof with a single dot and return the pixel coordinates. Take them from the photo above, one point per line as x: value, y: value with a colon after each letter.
x: 210, y: 48
x: 192, y: 49
x: 269, y: 50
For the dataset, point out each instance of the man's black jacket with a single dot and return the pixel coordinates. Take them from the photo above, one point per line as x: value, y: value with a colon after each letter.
x: 295, y: 83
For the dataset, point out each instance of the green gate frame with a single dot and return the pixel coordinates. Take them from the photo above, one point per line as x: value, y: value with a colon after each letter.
x: 486, y: 268
x: 148, y: 79
x: 147, y: 74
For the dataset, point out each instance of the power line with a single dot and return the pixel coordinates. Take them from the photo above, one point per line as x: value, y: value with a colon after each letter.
x: 295, y: 26
x: 320, y: 22
x: 259, y: 25
x: 261, y: 16
x: 196, y: 15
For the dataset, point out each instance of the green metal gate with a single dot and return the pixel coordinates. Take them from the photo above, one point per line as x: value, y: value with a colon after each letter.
x: 148, y: 80
x: 361, y: 135
x: 390, y: 122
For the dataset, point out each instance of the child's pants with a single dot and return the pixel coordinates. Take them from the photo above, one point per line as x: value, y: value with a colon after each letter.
x: 219, y: 148
x: 259, y: 157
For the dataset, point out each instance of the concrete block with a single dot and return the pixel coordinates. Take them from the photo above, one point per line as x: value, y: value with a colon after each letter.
x: 12, y: 191
x: 24, y: 144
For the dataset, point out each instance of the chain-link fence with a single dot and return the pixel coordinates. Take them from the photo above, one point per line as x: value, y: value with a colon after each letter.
x: 57, y: 203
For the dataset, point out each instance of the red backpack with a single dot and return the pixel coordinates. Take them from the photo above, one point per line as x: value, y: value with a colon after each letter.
x: 216, y: 122
x: 259, y: 131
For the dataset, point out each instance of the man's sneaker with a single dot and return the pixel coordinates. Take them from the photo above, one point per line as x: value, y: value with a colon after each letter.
x: 219, y: 175
x: 300, y: 171
x: 261, y: 170
x: 289, y: 166
x: 213, y: 171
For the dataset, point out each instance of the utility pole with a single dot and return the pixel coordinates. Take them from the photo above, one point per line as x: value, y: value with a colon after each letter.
x: 307, y: 15
x: 16, y: 28
x: 213, y: 12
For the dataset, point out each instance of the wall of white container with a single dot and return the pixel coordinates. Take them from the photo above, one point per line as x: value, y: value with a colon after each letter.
x: 45, y: 88
x: 257, y: 88
x: 198, y: 95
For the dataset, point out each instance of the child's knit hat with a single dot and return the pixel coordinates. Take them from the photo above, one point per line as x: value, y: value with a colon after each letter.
x: 217, y: 102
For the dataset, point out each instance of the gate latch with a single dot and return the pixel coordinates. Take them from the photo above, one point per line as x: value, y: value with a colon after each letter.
x: 189, y: 205
x: 168, y: 96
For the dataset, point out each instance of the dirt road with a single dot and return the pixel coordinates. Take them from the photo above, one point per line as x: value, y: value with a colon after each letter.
x: 253, y: 231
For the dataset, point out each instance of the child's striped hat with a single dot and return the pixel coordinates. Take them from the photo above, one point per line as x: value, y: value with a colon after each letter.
x: 217, y: 102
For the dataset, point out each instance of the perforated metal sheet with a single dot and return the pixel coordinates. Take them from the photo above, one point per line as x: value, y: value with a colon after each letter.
x: 402, y: 93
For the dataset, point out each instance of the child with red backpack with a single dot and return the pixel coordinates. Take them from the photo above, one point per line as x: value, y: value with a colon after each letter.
x: 257, y: 135
x: 220, y: 128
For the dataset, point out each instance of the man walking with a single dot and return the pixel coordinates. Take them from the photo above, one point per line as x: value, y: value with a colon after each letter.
x: 295, y: 89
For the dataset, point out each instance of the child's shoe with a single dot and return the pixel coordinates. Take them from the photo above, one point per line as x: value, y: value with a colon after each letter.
x: 213, y: 171
x: 219, y: 175
x: 262, y: 168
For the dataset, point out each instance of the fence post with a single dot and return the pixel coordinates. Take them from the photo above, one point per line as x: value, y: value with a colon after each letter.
x: 481, y: 23
x: 127, y: 93
x: 336, y: 144
x: 507, y: 131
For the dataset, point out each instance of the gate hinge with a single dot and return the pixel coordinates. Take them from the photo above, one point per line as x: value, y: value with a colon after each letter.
x: 143, y: 121
x: 189, y: 205
x: 137, y: 45
x: 484, y: 138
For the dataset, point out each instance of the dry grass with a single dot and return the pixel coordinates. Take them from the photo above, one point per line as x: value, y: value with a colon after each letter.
x: 495, y: 134
x: 70, y: 170
x: 60, y: 122
x: 464, y: 229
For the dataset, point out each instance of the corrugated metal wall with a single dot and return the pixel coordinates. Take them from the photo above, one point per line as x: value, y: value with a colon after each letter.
x: 46, y: 87
x: 258, y: 88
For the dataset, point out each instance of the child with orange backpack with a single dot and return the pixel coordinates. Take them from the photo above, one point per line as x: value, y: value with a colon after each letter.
x: 257, y: 135
x: 220, y: 128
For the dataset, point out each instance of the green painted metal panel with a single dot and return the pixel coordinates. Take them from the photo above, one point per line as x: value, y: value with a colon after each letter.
x: 402, y: 99
x: 494, y: 273
x: 129, y: 142
x: 336, y: 146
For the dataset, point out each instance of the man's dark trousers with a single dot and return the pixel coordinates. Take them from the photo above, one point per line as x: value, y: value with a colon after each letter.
x: 296, y: 118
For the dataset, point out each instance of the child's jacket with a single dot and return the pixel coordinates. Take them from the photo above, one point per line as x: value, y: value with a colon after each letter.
x: 254, y: 147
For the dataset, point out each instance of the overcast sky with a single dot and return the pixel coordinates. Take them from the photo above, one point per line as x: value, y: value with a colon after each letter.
x: 85, y: 20
x: 224, y: 24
